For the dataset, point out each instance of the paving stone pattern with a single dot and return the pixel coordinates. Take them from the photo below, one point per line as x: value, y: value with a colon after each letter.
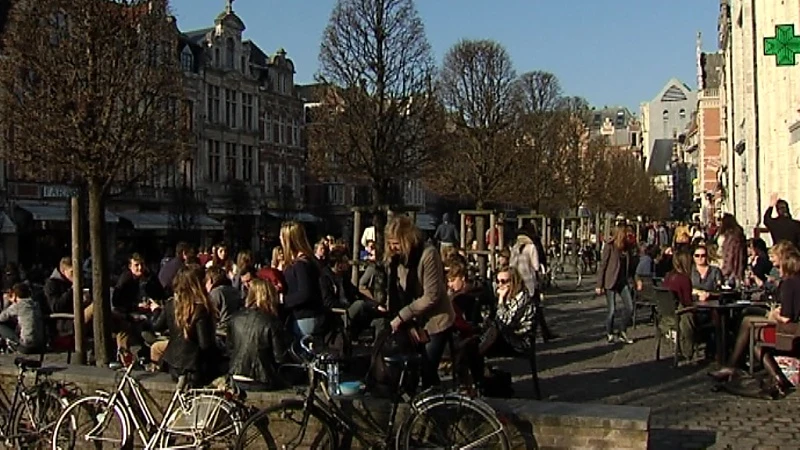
x: 581, y: 367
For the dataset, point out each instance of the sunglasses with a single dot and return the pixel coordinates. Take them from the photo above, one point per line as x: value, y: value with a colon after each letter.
x: 503, y: 280
x: 700, y: 255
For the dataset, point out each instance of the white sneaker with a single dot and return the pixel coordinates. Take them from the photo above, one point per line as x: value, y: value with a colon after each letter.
x: 611, y: 338
x: 624, y: 338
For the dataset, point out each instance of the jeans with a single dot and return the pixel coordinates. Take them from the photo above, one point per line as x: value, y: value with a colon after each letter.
x: 304, y: 327
x: 432, y: 356
x: 627, y: 311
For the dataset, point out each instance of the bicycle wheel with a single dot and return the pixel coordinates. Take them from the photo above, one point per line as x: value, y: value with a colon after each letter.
x: 287, y: 426
x: 34, y: 418
x: 209, y: 422
x: 92, y: 423
x: 452, y: 421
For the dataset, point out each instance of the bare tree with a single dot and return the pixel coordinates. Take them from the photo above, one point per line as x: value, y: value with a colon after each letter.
x: 92, y: 89
x: 478, y: 93
x: 379, y: 120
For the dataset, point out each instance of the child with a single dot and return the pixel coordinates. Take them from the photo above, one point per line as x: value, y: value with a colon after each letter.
x: 28, y: 334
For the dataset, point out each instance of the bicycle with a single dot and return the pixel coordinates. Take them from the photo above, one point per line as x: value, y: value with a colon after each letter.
x: 194, y: 418
x: 333, y: 428
x: 32, y: 412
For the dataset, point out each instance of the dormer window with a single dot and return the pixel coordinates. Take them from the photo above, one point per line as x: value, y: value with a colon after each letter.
x: 187, y: 59
x: 230, y: 53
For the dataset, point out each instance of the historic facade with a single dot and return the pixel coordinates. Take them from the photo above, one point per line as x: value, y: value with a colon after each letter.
x: 760, y: 106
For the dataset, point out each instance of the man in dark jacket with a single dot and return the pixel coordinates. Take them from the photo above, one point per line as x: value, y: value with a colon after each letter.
x: 779, y: 222
x: 58, y: 293
x: 446, y: 233
x: 134, y: 286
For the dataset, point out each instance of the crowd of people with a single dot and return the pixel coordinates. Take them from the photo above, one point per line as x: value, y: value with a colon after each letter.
x: 208, y: 314
x: 212, y: 315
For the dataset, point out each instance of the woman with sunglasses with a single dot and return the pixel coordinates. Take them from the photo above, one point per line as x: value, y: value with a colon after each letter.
x: 705, y: 277
x: 515, y: 314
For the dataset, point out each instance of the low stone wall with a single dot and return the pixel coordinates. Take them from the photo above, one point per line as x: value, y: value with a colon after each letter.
x: 532, y: 424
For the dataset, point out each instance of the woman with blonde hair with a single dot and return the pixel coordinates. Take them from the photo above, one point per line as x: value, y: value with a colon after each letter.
x: 419, y: 291
x: 190, y: 318
x: 612, y: 279
x: 256, y: 340
x: 788, y: 312
x: 303, y: 296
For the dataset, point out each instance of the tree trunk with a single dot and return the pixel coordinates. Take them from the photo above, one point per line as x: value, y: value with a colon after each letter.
x: 104, y: 347
x: 77, y: 279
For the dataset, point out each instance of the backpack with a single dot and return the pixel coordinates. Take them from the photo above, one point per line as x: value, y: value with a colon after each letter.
x: 383, y: 380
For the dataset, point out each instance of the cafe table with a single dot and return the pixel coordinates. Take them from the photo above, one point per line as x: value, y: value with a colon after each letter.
x: 721, y: 312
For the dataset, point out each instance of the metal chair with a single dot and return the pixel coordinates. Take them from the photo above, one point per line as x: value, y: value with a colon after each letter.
x: 667, y: 320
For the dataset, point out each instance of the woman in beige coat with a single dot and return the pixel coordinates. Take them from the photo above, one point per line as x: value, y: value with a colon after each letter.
x: 420, y: 294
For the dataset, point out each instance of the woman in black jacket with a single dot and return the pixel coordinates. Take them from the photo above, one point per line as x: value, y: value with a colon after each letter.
x: 190, y: 317
x: 257, y: 340
x: 303, y: 297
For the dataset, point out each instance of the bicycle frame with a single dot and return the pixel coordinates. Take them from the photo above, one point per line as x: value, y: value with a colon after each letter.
x: 21, y: 396
x: 145, y: 425
x: 333, y: 413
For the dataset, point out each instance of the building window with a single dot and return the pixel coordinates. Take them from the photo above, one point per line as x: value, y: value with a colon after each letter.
x: 217, y: 62
x: 247, y: 163
x: 666, y: 115
x: 188, y: 115
x: 335, y: 194
x: 247, y: 111
x: 620, y: 118
x: 296, y: 132
x: 213, y: 104
x: 230, y: 161
x: 282, y: 131
x: 230, y: 53
x: 275, y: 131
x: 682, y: 114
x: 290, y: 179
x: 244, y: 65
x: 230, y: 108
x: 214, y: 159
x: 187, y: 59
x: 267, y: 127
x: 634, y: 139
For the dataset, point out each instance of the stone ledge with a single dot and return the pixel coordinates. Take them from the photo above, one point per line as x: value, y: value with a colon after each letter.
x: 533, y: 424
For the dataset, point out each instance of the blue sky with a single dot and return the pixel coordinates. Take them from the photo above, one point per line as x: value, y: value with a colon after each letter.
x: 618, y: 52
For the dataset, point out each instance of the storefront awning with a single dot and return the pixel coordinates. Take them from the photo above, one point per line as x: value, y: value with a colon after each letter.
x: 163, y: 221
x: 296, y: 216
x: 57, y: 213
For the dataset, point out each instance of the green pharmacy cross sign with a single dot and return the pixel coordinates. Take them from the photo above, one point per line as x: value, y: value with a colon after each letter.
x: 785, y: 45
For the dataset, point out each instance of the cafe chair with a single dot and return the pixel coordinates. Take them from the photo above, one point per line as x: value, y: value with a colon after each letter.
x: 644, y: 299
x: 667, y: 320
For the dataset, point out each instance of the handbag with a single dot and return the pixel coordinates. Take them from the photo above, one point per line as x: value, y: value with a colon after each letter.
x: 785, y: 336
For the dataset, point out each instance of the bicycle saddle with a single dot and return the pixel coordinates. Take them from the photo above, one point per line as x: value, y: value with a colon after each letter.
x: 25, y: 363
x: 403, y: 358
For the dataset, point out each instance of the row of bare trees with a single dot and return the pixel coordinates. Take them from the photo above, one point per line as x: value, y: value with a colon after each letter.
x: 472, y: 128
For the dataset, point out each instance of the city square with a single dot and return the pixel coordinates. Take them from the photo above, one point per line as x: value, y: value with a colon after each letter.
x: 461, y: 218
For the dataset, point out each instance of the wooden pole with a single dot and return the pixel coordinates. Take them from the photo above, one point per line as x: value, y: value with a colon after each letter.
x: 492, y: 243
x: 356, y: 246
x: 77, y: 274
x: 463, y: 235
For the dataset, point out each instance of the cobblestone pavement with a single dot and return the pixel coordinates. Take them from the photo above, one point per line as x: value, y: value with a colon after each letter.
x: 581, y: 367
